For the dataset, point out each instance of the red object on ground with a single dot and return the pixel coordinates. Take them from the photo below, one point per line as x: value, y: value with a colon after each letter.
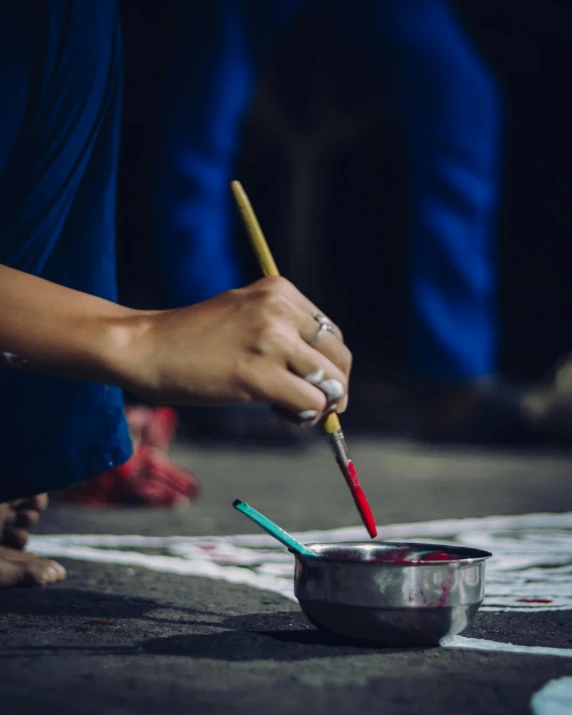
x: 360, y: 499
x: 155, y: 426
x: 149, y: 478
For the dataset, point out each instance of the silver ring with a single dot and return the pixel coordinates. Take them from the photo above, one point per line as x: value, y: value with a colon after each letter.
x: 326, y: 326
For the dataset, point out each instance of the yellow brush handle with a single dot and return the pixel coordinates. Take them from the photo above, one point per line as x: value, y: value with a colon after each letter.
x: 266, y: 261
x: 269, y: 267
x: 332, y: 423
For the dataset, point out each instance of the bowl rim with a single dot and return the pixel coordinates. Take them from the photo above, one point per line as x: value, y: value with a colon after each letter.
x: 473, y: 556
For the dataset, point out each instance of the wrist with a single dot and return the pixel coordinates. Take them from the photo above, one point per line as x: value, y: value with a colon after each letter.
x: 123, y: 353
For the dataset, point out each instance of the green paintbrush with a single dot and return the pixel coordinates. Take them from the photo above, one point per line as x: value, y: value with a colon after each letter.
x: 271, y: 528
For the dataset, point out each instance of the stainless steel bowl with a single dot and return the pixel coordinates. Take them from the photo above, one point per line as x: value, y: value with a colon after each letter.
x: 349, y: 590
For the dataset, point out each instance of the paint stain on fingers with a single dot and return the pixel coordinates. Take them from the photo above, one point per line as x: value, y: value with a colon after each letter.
x: 316, y: 377
x: 308, y: 417
x: 332, y: 389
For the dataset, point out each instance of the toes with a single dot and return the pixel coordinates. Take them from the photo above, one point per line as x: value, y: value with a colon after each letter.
x: 10, y: 574
x: 23, y: 513
x: 40, y: 502
x: 60, y: 571
x: 19, y: 568
x: 14, y: 538
x: 5, y: 513
x: 42, y: 572
x: 36, y: 575
x: 56, y: 570
x: 24, y: 518
x: 37, y: 503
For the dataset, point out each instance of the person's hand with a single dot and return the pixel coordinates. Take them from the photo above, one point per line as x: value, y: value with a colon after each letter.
x: 258, y: 343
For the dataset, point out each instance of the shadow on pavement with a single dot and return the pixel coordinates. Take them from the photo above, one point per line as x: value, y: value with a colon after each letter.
x: 284, y: 636
x: 61, y: 602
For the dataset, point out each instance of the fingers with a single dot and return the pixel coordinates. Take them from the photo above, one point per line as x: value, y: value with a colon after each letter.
x: 307, y: 384
x: 331, y: 347
x: 316, y: 369
x: 290, y: 332
x: 285, y: 303
x: 304, y: 304
x: 278, y: 286
x: 288, y: 289
x: 290, y: 392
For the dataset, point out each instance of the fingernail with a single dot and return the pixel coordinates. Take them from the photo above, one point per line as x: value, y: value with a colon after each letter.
x: 314, y: 378
x: 308, y: 417
x: 333, y: 389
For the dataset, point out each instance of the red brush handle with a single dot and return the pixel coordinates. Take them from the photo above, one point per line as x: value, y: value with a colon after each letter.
x: 360, y: 499
x: 365, y: 511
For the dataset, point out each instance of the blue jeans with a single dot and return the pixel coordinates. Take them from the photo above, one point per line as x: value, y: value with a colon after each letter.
x: 449, y: 114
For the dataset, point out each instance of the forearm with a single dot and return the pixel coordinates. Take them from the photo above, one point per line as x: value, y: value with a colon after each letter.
x: 45, y: 327
x: 242, y: 345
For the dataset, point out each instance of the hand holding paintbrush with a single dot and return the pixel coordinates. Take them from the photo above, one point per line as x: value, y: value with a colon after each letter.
x: 331, y: 423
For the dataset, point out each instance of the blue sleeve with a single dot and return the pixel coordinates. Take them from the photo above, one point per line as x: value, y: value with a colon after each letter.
x: 14, y: 78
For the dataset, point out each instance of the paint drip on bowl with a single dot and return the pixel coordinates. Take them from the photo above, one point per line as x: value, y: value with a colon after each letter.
x: 403, y: 557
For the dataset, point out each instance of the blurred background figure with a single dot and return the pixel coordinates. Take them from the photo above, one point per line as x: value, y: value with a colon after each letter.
x: 149, y: 477
x: 374, y: 150
x: 449, y: 115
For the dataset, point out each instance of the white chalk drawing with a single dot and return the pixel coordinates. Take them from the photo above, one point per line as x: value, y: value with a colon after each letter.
x: 482, y: 644
x: 555, y: 698
x: 531, y: 569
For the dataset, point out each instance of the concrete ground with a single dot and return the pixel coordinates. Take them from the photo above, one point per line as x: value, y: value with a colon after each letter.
x: 121, y: 640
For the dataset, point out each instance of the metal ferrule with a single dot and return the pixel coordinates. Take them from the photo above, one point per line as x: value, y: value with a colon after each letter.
x: 338, y: 445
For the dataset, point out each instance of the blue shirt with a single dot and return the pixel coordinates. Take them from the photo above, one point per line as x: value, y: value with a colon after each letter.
x: 60, y: 103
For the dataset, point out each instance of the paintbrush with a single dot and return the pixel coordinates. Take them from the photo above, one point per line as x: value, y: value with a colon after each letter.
x: 273, y: 529
x: 331, y: 423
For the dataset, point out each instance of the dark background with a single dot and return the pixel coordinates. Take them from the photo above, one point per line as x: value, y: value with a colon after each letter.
x: 335, y: 216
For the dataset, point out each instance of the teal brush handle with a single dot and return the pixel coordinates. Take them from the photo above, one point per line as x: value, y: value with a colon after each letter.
x: 273, y: 529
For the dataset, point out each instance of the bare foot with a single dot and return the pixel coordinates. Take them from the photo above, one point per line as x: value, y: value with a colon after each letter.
x: 152, y: 426
x: 17, y: 516
x: 18, y: 568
